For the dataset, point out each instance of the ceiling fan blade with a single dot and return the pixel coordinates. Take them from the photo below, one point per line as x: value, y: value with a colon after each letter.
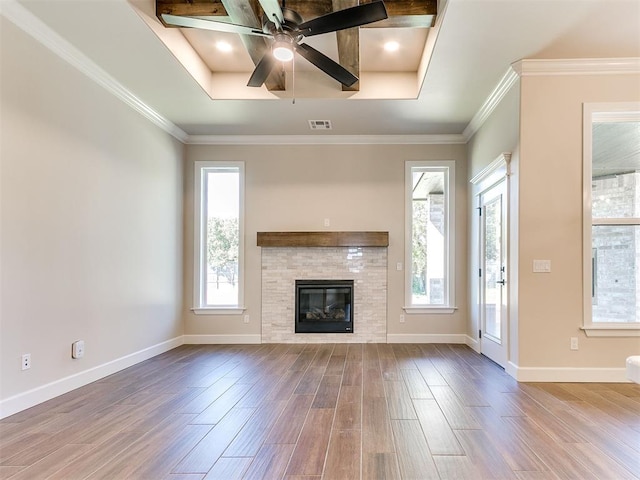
x: 328, y: 66
x: 193, y: 22
x: 262, y: 70
x: 347, y: 18
x: 272, y: 9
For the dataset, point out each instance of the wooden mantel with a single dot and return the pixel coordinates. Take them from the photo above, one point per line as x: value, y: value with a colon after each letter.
x: 323, y: 239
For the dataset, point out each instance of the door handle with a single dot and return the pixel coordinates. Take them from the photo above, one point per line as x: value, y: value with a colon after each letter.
x: 501, y: 282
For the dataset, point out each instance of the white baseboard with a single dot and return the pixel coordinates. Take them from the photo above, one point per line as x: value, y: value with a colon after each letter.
x: 32, y: 397
x: 567, y: 374
x: 426, y: 338
x: 222, y: 339
x: 472, y: 343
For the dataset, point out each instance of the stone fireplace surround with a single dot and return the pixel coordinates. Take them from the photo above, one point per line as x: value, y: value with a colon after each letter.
x: 324, y: 256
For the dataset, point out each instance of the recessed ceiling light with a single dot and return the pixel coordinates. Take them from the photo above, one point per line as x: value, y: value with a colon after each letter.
x: 391, y: 46
x: 223, y: 46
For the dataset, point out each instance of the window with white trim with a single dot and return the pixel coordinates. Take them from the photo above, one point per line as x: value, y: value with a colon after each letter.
x: 612, y: 219
x: 430, y: 233
x: 219, y: 246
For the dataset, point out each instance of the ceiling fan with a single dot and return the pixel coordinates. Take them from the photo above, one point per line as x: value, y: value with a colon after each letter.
x: 286, y: 29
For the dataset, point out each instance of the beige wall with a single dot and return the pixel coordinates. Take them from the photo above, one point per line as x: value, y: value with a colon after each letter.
x: 91, y: 232
x: 358, y: 187
x: 550, y: 216
x: 540, y: 122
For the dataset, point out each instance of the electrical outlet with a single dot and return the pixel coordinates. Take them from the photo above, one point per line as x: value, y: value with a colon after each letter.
x: 327, y: 222
x: 574, y: 343
x: 77, y: 349
x: 26, y: 361
x: 246, y: 319
x: 399, y: 266
x: 401, y: 318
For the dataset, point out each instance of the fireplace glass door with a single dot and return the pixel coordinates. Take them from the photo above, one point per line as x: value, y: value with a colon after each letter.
x: 324, y: 306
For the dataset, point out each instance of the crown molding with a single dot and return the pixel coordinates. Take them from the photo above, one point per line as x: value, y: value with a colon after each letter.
x: 577, y: 66
x: 325, y: 139
x: 508, y: 80
x: 38, y: 30
x: 532, y: 67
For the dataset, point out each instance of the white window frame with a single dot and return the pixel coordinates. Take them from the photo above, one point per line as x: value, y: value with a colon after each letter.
x: 600, y: 112
x: 449, y: 169
x: 199, y: 247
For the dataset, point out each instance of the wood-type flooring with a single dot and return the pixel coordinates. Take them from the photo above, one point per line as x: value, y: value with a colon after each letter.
x: 325, y: 412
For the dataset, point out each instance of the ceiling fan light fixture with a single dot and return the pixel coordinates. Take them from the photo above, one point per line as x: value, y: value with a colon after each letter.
x: 282, y: 48
x: 287, y: 28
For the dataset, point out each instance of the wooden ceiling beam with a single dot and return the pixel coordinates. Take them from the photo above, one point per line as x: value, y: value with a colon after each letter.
x: 191, y: 8
x: 308, y: 9
x: 348, y: 45
x: 242, y: 12
x: 408, y: 14
x: 409, y: 7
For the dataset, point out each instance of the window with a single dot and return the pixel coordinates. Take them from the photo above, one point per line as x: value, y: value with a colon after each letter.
x: 218, y: 278
x: 612, y: 219
x: 429, y: 284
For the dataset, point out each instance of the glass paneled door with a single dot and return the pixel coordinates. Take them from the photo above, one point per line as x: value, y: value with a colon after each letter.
x: 493, y: 272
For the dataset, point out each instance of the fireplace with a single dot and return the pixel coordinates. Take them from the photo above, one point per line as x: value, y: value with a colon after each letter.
x: 324, y: 306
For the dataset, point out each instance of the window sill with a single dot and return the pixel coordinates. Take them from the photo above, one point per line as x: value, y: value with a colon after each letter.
x: 430, y: 310
x: 612, y: 330
x: 218, y: 310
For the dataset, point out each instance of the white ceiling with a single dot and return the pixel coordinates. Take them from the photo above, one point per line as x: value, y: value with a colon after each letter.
x: 476, y: 42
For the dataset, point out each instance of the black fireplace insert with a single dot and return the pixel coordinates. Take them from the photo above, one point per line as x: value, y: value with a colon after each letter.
x: 324, y: 306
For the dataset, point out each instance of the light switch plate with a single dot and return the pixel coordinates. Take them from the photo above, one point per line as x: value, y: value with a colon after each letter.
x: 542, y: 266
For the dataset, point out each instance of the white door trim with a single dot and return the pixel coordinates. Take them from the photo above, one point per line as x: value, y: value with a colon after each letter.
x: 497, y: 171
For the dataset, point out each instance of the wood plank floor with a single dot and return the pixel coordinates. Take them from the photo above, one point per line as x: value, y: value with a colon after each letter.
x: 325, y: 412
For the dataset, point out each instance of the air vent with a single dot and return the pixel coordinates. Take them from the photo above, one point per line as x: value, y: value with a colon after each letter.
x: 320, y: 124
